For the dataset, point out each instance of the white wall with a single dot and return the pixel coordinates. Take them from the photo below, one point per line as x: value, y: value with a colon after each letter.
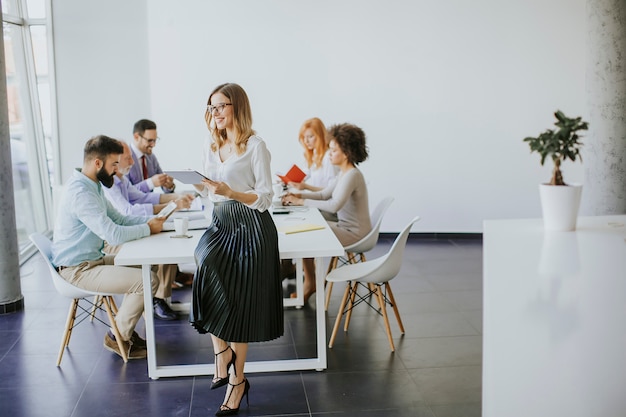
x: 445, y: 90
x: 102, y: 71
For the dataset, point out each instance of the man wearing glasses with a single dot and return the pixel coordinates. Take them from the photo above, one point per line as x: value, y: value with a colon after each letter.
x: 146, y: 173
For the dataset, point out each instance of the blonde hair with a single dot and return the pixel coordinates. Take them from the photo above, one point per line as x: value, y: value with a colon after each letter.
x: 242, y: 117
x: 315, y: 156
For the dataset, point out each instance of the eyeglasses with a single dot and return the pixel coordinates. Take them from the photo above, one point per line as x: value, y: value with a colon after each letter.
x: 219, y: 107
x: 150, y: 141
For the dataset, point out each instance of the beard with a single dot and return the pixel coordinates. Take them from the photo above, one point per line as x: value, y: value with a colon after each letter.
x: 124, y: 171
x: 105, y: 178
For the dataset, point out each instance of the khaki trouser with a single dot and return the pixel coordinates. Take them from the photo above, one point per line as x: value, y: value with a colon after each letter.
x: 166, y: 274
x: 102, y: 275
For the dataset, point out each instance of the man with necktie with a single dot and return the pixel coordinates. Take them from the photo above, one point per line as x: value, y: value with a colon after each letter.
x: 146, y: 173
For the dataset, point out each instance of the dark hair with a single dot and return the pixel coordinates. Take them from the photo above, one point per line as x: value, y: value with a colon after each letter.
x: 100, y: 147
x: 351, y: 140
x: 143, y: 125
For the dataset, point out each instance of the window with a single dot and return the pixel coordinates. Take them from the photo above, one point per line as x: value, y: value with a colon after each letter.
x: 31, y: 114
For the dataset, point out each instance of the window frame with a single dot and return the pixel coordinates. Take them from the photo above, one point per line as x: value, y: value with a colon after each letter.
x: 41, y: 184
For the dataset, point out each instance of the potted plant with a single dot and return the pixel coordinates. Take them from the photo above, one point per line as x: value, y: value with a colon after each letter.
x: 559, y: 201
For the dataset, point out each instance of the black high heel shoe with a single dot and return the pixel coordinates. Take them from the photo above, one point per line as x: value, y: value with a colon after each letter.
x: 226, y: 410
x: 218, y: 381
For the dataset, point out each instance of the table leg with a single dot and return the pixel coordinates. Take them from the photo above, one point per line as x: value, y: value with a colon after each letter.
x: 146, y: 274
x: 320, y: 313
x: 318, y: 363
x: 297, y: 302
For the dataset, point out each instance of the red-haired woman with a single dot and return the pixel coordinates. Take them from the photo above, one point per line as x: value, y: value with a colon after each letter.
x: 320, y: 171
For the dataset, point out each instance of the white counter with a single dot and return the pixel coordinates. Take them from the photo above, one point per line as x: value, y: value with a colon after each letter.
x: 554, y: 319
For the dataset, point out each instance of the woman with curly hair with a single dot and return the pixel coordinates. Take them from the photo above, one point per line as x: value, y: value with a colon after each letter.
x: 345, y: 197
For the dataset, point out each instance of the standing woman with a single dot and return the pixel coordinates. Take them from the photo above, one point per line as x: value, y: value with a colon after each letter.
x: 320, y: 171
x: 237, y: 295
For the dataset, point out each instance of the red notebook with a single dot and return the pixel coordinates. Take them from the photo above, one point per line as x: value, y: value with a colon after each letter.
x: 294, y: 174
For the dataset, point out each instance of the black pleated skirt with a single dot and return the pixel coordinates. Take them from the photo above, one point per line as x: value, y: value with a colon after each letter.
x: 237, y: 291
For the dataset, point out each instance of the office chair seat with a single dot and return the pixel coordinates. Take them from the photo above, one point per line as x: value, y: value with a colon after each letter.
x: 373, y: 275
x: 75, y: 317
x: 356, y: 252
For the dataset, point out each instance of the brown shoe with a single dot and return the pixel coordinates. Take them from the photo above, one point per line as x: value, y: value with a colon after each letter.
x: 287, y: 269
x: 132, y: 351
x: 183, y: 279
x: 137, y: 340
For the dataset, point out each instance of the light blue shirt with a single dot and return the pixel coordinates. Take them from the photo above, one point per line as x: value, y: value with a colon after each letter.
x: 128, y: 199
x: 86, y: 219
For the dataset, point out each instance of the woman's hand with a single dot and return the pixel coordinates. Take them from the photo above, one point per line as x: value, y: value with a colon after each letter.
x: 218, y: 188
x: 292, y: 200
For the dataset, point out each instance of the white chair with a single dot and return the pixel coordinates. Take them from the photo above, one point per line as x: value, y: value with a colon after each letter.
x: 372, y: 275
x: 356, y: 252
x: 68, y: 290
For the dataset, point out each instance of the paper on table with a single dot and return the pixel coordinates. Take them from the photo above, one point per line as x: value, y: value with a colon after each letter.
x: 297, y: 228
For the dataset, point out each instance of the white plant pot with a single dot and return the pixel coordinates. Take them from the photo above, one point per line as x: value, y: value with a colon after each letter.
x: 559, y: 204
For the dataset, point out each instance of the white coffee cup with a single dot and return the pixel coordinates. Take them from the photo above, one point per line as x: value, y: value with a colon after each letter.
x: 181, y: 225
x: 278, y: 190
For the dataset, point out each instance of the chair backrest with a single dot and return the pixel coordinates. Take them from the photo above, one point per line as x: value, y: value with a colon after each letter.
x: 393, y: 259
x: 368, y: 242
x: 381, y: 269
x: 44, y: 245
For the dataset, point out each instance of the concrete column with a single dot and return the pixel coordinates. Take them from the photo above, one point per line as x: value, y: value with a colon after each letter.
x: 605, y: 144
x: 11, y: 298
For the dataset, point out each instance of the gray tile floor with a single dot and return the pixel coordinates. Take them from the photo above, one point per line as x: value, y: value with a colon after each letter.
x: 435, y: 371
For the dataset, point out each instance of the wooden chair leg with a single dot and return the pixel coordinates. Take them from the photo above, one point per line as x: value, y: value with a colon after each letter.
x: 329, y: 285
x: 339, y: 315
x: 71, y: 321
x: 395, y: 306
x: 355, y: 286
x: 351, y: 258
x: 381, y: 300
x: 67, y: 334
x: 113, y: 306
x: 97, y: 302
x: 108, y: 301
x: 332, y: 265
x: 362, y: 258
x: 374, y: 288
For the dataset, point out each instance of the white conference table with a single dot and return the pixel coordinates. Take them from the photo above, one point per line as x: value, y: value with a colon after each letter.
x: 554, y: 318
x: 162, y: 249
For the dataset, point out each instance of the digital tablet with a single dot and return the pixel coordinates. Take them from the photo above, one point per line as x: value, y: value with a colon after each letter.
x: 187, y: 176
x: 167, y: 210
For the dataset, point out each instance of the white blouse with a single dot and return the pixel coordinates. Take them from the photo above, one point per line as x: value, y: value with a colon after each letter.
x: 322, y: 176
x: 249, y: 172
